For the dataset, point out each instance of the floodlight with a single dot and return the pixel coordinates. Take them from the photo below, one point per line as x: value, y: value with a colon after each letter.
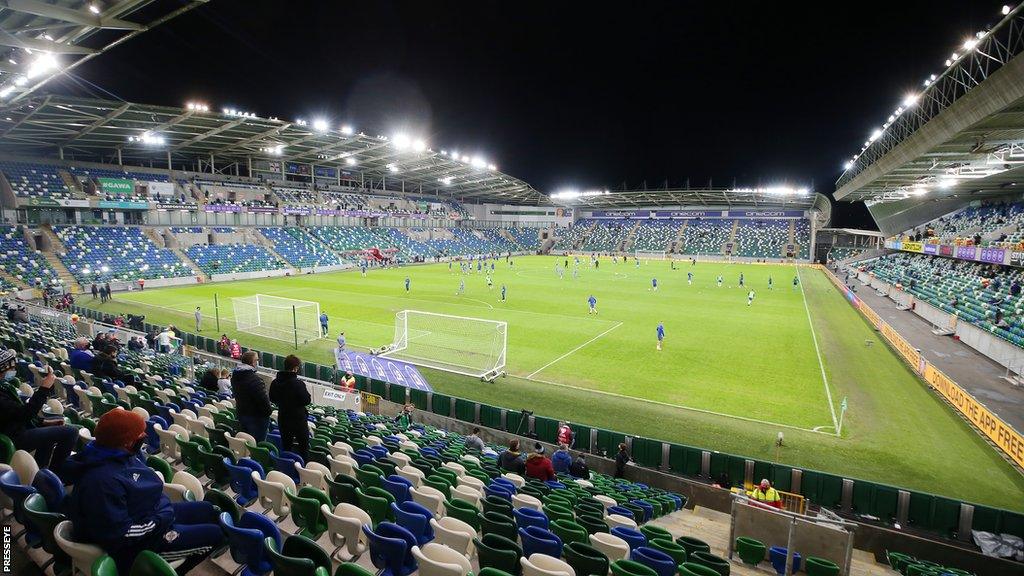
x: 401, y: 141
x: 910, y: 99
x: 392, y: 167
x: 875, y: 135
x: 6, y: 91
x: 94, y: 8
x: 492, y: 167
x: 848, y: 165
x: 478, y: 162
x: 320, y: 125
x: 1006, y: 10
x: 346, y: 130
x: 970, y: 43
x: 21, y: 81
x: 919, y: 190
x: 948, y: 62
x: 350, y: 161
x: 419, y: 145
x: 946, y: 183
x: 465, y: 159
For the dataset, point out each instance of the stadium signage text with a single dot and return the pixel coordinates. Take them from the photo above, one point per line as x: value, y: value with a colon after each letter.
x: 176, y: 206
x: 123, y: 205
x: 222, y: 208
x: 381, y: 368
x: 685, y: 214
x: 116, y: 185
x: 973, y: 253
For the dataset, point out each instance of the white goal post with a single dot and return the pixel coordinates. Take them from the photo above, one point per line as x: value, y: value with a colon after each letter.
x: 278, y: 318
x: 652, y: 254
x: 469, y: 346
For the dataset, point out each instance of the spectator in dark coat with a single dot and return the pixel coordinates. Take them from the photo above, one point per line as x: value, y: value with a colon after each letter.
x: 209, y: 380
x: 579, y: 468
x: 104, y: 365
x: 292, y: 397
x: 511, y: 460
x: 252, y: 405
x: 18, y: 420
x: 621, y: 459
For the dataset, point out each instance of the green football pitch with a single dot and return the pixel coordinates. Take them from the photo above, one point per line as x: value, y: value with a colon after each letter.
x: 729, y: 376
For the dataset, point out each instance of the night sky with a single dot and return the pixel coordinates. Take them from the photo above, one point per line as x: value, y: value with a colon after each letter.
x: 560, y: 94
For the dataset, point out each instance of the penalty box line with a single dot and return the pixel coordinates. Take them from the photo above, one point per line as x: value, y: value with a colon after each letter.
x: 817, y: 351
x: 573, y: 351
x: 814, y: 430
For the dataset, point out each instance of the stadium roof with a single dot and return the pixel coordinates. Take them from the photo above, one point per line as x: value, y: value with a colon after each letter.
x: 41, y: 39
x: 962, y: 136
x: 141, y: 134
x: 773, y: 197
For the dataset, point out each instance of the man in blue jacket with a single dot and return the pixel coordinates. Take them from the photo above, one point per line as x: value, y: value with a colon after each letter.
x: 561, y: 460
x: 118, y: 502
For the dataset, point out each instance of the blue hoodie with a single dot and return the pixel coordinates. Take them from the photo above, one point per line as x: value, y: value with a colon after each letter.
x: 561, y: 460
x: 118, y: 502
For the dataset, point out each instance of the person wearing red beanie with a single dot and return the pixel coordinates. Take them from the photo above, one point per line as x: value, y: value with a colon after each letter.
x: 118, y: 502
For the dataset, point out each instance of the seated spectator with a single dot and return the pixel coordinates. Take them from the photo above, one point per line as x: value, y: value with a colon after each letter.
x: 209, y: 379
x: 224, y: 382
x: 81, y: 357
x: 118, y: 502
x: 474, y: 442
x: 538, y: 465
x: 104, y: 365
x: 511, y: 460
x: 136, y: 344
x: 19, y: 420
x: 765, y: 494
x: 579, y: 468
x: 561, y: 460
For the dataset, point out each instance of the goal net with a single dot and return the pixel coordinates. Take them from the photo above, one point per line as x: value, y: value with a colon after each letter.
x: 278, y: 318
x: 470, y: 346
x: 652, y: 255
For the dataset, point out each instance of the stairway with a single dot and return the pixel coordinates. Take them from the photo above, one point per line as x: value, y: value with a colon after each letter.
x: 157, y: 239
x: 678, y: 243
x: 21, y: 284
x: 73, y: 184
x: 259, y: 238
x: 62, y: 272
x: 630, y: 240
x: 583, y: 237
x: 191, y: 263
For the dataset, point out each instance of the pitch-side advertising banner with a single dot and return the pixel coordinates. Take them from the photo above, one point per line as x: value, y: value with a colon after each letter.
x: 381, y: 368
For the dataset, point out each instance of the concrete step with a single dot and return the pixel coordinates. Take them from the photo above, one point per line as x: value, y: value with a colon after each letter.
x: 191, y: 263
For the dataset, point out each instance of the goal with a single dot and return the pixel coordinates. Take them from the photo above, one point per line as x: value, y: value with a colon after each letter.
x: 278, y: 318
x: 652, y: 255
x: 469, y: 346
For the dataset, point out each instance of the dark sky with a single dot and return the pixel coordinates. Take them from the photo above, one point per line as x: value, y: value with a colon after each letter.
x: 583, y: 94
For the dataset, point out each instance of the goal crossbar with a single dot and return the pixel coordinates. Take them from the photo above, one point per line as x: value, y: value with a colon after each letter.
x: 457, y: 344
x: 278, y: 318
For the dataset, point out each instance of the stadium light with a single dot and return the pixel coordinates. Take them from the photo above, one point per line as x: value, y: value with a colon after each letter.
x: 910, y: 99
x: 447, y: 180
x: 6, y: 91
x: 94, y: 8
x: 946, y: 183
x: 346, y: 130
x: 301, y: 122
x: 320, y: 125
x: 919, y: 191
x: 42, y: 64
x: 572, y: 194
x: 970, y: 43
x: 875, y: 135
x: 1006, y: 10
x: 492, y: 167
x: 350, y: 161
x: 197, y: 107
x: 478, y: 162
x: 148, y: 138
x: 393, y: 168
x: 419, y: 145
x: 276, y: 150
x: 848, y: 165
x: 401, y: 141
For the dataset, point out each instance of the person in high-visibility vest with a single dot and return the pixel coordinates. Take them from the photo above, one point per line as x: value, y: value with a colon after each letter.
x: 765, y: 494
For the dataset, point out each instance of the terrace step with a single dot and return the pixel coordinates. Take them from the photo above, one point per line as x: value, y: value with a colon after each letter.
x: 678, y: 243
x: 630, y: 240
x: 269, y: 245
x: 13, y: 279
x: 73, y: 184
x: 191, y: 263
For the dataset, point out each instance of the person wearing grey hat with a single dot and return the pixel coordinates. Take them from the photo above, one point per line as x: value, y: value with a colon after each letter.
x: 20, y: 421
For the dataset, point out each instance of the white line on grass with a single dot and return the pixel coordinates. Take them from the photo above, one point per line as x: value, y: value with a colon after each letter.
x: 821, y: 364
x: 679, y: 406
x: 574, y: 350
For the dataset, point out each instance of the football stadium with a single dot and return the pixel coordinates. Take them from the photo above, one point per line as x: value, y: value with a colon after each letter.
x: 337, y: 342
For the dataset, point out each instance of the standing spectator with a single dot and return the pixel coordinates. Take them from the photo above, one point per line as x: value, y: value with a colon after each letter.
x: 323, y: 323
x: 235, y: 350
x: 18, y: 420
x: 95, y: 291
x: 199, y: 319
x: 224, y: 345
x: 561, y: 460
x: 348, y: 380
x: 81, y: 357
x: 474, y: 442
x: 511, y: 460
x: 163, y: 340
x: 292, y: 397
x: 341, y: 341
x: 579, y: 468
x: 103, y: 294
x: 110, y: 295
x: 565, y: 434
x: 252, y: 405
x: 404, y: 418
x: 538, y: 465
x: 118, y: 502
x: 621, y: 459
x: 142, y: 284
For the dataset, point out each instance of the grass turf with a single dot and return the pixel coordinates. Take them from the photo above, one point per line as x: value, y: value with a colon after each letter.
x: 729, y: 377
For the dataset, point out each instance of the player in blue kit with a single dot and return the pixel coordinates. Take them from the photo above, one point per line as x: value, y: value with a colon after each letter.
x: 689, y: 278
x: 593, y: 304
x: 661, y: 334
x: 407, y: 284
x: 502, y: 292
x: 654, y: 284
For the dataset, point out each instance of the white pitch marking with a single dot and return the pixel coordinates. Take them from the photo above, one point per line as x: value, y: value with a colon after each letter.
x: 574, y: 350
x: 821, y: 364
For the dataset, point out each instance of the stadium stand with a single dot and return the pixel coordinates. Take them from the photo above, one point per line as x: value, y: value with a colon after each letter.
x: 527, y: 238
x: 608, y: 236
x: 22, y: 262
x: 232, y: 258
x: 844, y: 253
x: 102, y: 253
x: 802, y: 238
x: 656, y: 235
x: 978, y: 293
x: 706, y: 236
x: 349, y: 238
x: 35, y: 180
x: 761, y: 238
x: 344, y: 200
x: 296, y: 196
x: 187, y: 230
x: 300, y: 248
x: 571, y: 237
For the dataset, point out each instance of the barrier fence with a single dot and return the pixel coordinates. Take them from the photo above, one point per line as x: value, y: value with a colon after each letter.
x: 988, y: 424
x: 940, y: 515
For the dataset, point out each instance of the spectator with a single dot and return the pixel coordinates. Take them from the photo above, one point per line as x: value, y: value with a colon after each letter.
x: 765, y: 494
x: 81, y: 356
x: 474, y: 442
x: 209, y: 379
x: 163, y: 340
x: 95, y: 291
x: 199, y: 319
x: 538, y: 465
x: 561, y: 460
x: 118, y: 502
x: 19, y: 422
x: 136, y: 344
x: 1015, y: 288
x: 621, y: 459
x: 235, y: 350
x: 404, y: 418
x: 579, y: 468
x: 565, y: 435
x: 292, y: 397
x: 511, y: 460
x: 104, y: 365
x: 224, y: 382
x: 109, y: 293
x: 252, y: 405
x: 224, y: 345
